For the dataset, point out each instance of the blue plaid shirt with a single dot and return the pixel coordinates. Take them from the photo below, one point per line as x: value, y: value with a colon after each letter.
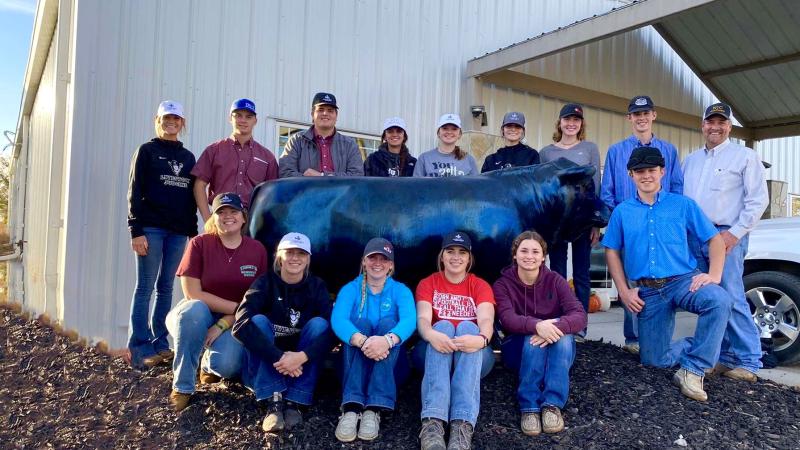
x: 654, y: 237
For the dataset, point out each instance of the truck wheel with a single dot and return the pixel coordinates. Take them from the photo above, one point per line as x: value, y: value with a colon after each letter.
x: 774, y: 299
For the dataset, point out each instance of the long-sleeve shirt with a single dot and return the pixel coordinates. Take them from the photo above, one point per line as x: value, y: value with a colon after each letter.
x: 729, y: 183
x: 395, y: 301
x: 584, y: 153
x: 617, y: 186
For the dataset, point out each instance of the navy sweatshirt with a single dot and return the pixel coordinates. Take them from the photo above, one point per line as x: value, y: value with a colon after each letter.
x: 514, y: 156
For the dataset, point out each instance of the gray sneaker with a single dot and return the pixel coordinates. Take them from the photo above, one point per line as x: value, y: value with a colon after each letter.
x: 346, y: 429
x: 460, y: 435
x: 552, y: 421
x: 370, y: 425
x: 531, y: 424
x: 632, y: 348
x: 691, y: 385
x: 431, y: 437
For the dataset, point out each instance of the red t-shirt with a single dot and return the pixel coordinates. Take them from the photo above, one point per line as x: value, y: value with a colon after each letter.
x: 207, y: 259
x: 454, y: 302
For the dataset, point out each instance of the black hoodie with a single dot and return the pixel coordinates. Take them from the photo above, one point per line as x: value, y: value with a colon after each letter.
x: 514, y: 156
x: 160, y: 189
x: 288, y: 307
x: 384, y: 163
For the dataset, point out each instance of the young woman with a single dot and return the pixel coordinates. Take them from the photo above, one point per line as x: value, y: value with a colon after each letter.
x: 373, y: 316
x: 540, y: 313
x: 455, y: 311
x: 161, y: 215
x: 392, y: 158
x: 216, y: 270
x: 569, y: 142
x: 447, y: 159
x: 515, y: 153
x: 284, y: 325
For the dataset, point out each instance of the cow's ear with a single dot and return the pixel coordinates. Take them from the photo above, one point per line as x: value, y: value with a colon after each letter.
x: 574, y: 175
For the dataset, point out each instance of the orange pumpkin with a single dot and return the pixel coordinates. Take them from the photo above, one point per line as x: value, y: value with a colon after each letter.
x: 594, y: 303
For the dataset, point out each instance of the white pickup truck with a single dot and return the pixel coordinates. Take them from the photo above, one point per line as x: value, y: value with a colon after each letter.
x: 772, y: 283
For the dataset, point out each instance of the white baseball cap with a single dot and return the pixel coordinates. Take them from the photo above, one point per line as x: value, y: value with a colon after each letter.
x: 394, y: 122
x: 295, y: 240
x: 453, y: 119
x: 170, y: 107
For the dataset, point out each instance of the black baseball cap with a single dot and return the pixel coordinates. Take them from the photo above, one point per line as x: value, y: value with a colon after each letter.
x: 379, y: 246
x: 324, y: 98
x: 226, y: 199
x: 641, y: 103
x: 718, y: 109
x: 644, y: 158
x: 457, y: 239
x: 571, y: 109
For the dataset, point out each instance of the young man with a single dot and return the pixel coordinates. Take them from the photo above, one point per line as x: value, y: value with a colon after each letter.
x: 727, y: 181
x: 321, y: 150
x: 235, y: 164
x: 617, y: 186
x: 652, y: 229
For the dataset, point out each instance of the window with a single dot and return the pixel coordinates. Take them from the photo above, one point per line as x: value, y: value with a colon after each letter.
x: 367, y: 143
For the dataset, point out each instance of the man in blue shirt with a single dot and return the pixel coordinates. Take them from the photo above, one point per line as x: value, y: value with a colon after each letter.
x: 652, y: 229
x: 617, y: 186
x: 727, y: 181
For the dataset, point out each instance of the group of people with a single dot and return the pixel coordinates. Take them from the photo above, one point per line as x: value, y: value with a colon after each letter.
x: 273, y: 328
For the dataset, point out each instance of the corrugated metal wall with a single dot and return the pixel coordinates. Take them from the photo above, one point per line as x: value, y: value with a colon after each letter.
x: 784, y: 155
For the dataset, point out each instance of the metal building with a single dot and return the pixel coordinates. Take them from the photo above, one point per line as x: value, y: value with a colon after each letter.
x: 98, y: 69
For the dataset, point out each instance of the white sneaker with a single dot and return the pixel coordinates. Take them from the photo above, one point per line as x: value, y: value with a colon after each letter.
x: 346, y: 429
x: 370, y: 425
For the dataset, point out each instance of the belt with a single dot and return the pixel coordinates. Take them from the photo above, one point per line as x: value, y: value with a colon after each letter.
x: 654, y: 283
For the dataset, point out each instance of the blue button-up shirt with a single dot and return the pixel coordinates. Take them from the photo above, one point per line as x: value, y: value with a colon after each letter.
x: 654, y: 237
x: 617, y: 186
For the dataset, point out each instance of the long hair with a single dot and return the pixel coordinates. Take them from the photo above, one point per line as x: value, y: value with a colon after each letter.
x: 403, y: 149
x: 160, y: 132
x: 362, y: 273
x: 280, y: 256
x: 525, y: 235
x: 458, y: 152
x: 211, y: 228
x: 559, y: 134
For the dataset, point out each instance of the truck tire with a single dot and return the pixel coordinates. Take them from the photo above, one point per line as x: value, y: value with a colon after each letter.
x: 774, y: 299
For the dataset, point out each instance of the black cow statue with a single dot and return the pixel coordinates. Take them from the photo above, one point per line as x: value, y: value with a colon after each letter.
x: 341, y: 214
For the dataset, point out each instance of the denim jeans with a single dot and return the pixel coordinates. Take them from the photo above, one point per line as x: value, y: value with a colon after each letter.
x: 421, y: 349
x: 581, y: 254
x: 188, y: 324
x: 147, y: 330
x: 366, y: 381
x: 543, y: 372
x: 657, y: 322
x: 451, y: 386
x: 263, y: 379
x: 741, y: 345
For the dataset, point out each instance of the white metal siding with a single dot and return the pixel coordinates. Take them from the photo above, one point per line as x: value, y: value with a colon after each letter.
x: 784, y: 155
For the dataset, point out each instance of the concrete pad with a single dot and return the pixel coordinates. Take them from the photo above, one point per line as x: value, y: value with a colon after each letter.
x: 608, y: 326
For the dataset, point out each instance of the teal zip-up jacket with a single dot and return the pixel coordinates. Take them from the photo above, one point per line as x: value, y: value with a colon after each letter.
x: 395, y: 300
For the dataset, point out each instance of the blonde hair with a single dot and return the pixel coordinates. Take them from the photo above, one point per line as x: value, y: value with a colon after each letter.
x: 209, y: 227
x: 363, y: 276
x: 160, y: 132
x: 559, y: 134
x: 280, y: 255
x: 457, y: 152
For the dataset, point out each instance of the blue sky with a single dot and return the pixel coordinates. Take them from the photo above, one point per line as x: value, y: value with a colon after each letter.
x: 16, y: 24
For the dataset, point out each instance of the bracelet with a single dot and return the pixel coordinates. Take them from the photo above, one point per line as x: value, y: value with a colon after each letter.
x: 389, y: 340
x: 222, y: 324
x: 221, y: 328
x: 485, y: 340
x: 363, y: 343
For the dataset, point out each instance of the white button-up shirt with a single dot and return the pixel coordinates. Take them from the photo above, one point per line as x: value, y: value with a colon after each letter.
x: 729, y: 183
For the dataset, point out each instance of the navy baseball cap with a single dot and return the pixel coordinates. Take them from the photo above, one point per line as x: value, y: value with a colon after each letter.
x: 641, y: 103
x: 324, y: 98
x: 243, y: 103
x: 226, y: 199
x: 514, y: 117
x: 571, y: 109
x: 644, y: 158
x: 379, y: 246
x: 457, y: 239
x: 718, y: 109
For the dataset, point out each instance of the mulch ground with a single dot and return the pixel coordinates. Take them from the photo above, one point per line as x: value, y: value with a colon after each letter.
x: 55, y: 393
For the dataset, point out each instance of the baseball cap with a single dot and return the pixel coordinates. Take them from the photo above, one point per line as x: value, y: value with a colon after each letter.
x: 571, y: 109
x: 394, y: 122
x: 324, y: 98
x: 718, y: 109
x: 641, y: 103
x: 450, y: 118
x: 295, y: 240
x: 379, y: 246
x: 243, y: 103
x: 644, y: 158
x: 226, y: 199
x: 457, y: 239
x: 170, y: 107
x: 514, y: 117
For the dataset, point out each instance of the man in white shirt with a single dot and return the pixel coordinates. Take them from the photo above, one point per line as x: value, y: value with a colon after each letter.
x: 728, y: 181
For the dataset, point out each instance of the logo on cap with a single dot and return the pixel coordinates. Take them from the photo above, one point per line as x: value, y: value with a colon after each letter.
x: 718, y: 108
x: 327, y: 98
x: 225, y: 198
x: 641, y: 101
x: 514, y: 116
x: 387, y: 249
x: 297, y: 238
x: 458, y: 238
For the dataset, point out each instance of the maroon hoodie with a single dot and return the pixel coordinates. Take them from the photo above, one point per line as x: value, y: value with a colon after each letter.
x: 520, y: 307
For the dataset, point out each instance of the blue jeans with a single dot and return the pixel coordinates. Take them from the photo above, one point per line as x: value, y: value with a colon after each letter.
x: 657, y: 323
x: 147, y: 330
x: 581, y: 254
x: 543, y: 372
x: 451, y: 386
x: 366, y: 381
x: 421, y: 349
x: 188, y: 324
x: 263, y: 379
x: 741, y: 345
